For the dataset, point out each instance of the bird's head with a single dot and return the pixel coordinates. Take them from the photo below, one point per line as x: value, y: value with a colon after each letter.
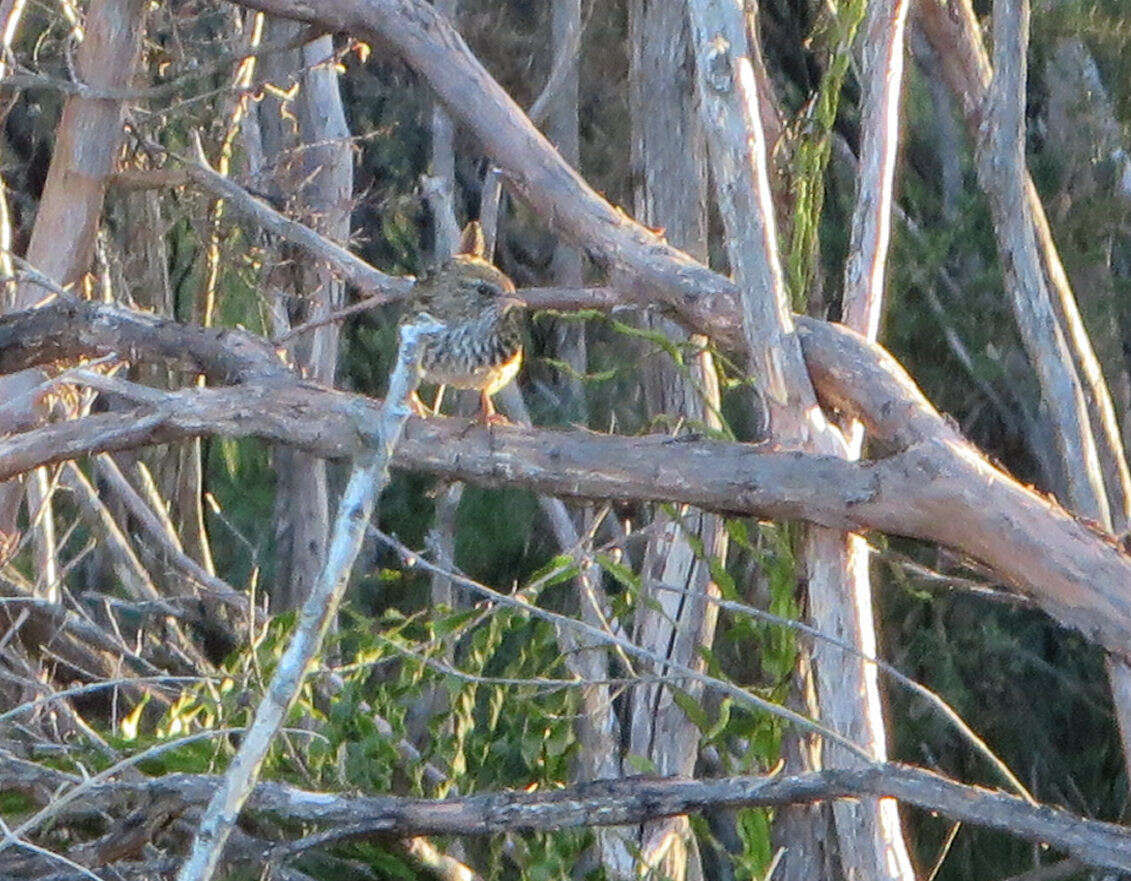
x: 466, y: 286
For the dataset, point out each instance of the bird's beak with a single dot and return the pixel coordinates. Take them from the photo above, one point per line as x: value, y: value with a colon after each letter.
x: 508, y: 303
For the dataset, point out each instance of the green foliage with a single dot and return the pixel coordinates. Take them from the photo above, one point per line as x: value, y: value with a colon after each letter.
x: 15, y: 804
x: 813, y: 143
x: 241, y: 482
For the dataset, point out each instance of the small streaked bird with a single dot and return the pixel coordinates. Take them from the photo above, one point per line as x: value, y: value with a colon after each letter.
x: 481, y: 344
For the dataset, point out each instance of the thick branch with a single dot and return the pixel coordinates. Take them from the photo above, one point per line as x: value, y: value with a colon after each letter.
x: 68, y: 330
x: 936, y: 489
x: 618, y: 802
x: 1001, y: 170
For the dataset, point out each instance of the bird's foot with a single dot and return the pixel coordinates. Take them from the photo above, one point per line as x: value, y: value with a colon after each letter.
x: 417, y: 406
x: 488, y: 415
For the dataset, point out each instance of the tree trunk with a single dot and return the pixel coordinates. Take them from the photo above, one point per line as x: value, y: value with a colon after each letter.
x: 314, y: 169
x: 870, y: 839
x: 567, y: 267
x: 670, y: 156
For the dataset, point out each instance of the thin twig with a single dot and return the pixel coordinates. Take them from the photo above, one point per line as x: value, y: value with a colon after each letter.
x: 906, y: 681
x: 595, y: 633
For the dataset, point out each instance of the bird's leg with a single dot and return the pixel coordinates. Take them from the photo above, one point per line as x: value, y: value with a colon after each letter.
x: 439, y: 399
x: 488, y: 415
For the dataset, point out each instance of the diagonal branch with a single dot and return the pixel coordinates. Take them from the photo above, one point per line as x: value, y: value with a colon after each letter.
x: 368, y: 477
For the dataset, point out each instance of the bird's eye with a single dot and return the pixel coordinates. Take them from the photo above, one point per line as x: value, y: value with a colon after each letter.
x: 486, y: 290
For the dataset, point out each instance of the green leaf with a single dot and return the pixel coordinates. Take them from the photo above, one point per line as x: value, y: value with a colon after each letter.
x: 621, y: 573
x: 641, y: 764
x: 558, y: 569
x: 691, y: 708
x: 721, y: 723
x: 738, y: 533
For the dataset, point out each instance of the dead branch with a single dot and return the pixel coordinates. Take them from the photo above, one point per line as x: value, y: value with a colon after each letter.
x: 83, y: 638
x: 361, y: 274
x: 72, y: 329
x: 935, y: 488
x: 25, y: 78
x: 368, y: 477
x: 1072, y: 384
x: 606, y: 802
x: 213, y: 590
x: 850, y: 689
x: 669, y: 150
x: 1001, y: 171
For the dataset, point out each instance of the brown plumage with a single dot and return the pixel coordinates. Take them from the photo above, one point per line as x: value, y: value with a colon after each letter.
x: 481, y: 345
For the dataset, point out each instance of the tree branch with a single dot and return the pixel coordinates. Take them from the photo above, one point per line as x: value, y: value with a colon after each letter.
x: 614, y: 802
x: 368, y: 477
x: 936, y: 488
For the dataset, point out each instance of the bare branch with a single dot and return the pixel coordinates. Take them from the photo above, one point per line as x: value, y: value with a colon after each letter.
x: 616, y: 802
x: 368, y: 477
x: 24, y: 78
x: 1001, y: 170
x: 882, y: 48
x: 361, y: 274
x: 72, y: 329
x: 216, y: 588
x: 936, y: 487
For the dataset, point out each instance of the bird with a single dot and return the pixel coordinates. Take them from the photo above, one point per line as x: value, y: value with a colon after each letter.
x: 480, y: 345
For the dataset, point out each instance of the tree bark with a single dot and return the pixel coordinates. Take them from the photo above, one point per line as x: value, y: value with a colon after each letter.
x: 848, y: 688
x: 87, y: 141
x: 669, y: 156
x: 314, y: 167
x: 567, y: 265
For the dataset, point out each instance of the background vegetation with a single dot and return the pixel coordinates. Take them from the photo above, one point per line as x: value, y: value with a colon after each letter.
x: 480, y: 692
